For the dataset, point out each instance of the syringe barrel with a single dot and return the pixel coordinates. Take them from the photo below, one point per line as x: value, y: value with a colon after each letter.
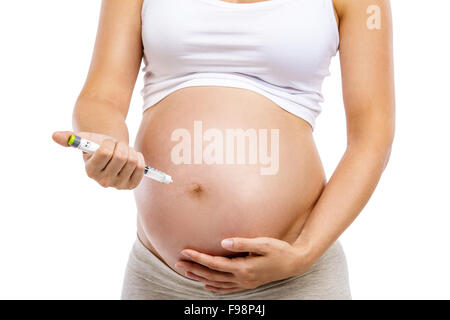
x: 157, y: 175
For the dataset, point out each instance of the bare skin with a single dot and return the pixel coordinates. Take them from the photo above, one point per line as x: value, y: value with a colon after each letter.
x: 285, y: 221
x: 208, y: 203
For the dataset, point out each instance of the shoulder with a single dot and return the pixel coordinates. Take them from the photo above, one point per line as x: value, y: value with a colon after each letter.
x: 343, y: 6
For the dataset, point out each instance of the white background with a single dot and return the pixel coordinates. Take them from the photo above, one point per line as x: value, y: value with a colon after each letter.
x: 63, y: 236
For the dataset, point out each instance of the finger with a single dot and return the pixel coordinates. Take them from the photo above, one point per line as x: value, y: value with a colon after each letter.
x: 259, y: 245
x: 213, y: 262
x: 216, y: 284
x: 100, y: 158
x: 205, y: 272
x: 128, y: 169
x: 118, y: 160
x: 138, y: 173
x: 61, y: 137
x: 222, y: 290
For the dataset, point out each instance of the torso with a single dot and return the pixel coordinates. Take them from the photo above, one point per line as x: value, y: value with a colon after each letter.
x: 209, y: 202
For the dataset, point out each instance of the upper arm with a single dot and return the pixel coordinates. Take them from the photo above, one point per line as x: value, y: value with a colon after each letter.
x: 117, y: 54
x: 367, y: 69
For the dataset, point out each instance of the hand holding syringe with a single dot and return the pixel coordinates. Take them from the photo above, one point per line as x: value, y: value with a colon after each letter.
x: 107, y: 165
x: 90, y: 147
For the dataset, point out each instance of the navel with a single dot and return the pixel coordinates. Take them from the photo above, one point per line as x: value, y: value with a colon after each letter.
x: 196, y: 189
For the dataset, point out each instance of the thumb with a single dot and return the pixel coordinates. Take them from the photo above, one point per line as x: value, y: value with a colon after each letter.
x: 61, y: 137
x: 256, y: 245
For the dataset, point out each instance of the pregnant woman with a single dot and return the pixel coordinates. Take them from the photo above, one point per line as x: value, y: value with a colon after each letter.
x: 231, y: 93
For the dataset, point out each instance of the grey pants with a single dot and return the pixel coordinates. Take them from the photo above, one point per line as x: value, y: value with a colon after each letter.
x: 148, y: 278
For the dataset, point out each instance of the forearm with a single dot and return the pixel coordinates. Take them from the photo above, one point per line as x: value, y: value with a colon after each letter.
x: 344, y: 196
x: 99, y: 116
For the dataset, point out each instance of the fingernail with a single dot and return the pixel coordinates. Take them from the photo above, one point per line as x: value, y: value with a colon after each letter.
x: 186, y: 254
x: 227, y: 243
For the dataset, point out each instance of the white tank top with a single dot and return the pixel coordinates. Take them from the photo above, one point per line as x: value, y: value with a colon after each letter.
x: 280, y: 49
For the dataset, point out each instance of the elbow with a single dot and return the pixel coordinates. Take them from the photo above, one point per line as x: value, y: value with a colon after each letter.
x: 80, y: 114
x: 382, y: 149
x: 75, y: 118
x: 387, y: 142
x: 387, y: 156
x: 383, y: 145
x: 377, y: 143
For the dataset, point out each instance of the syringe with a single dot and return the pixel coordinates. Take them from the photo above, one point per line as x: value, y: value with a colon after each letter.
x: 90, y: 147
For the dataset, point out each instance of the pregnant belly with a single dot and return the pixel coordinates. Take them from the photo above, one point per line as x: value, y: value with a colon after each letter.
x: 241, y: 166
